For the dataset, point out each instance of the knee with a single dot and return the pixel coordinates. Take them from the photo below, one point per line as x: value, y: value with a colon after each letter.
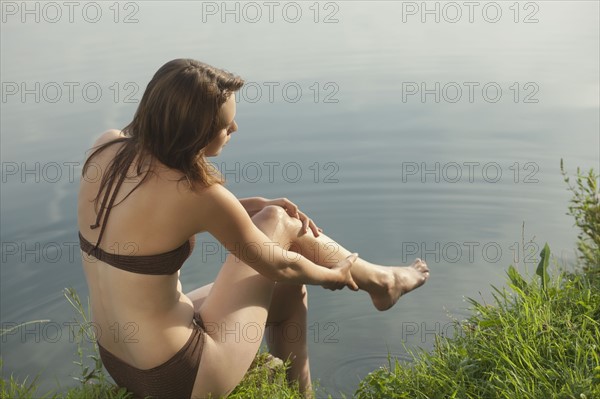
x: 274, y: 221
x: 271, y: 213
x: 276, y: 214
x: 269, y: 220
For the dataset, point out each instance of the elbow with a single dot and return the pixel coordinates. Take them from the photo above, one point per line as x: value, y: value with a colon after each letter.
x: 280, y: 274
x: 284, y: 272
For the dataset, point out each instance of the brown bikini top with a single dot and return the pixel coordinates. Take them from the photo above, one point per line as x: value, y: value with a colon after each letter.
x: 159, y: 264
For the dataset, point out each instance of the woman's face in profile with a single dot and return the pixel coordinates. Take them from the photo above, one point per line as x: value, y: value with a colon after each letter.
x: 226, y: 114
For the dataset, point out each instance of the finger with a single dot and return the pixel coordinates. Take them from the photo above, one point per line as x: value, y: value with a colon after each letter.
x: 292, y: 211
x: 352, y: 257
x: 352, y: 284
x: 316, y: 231
x: 305, y: 221
x: 295, y: 213
x: 288, y: 205
x: 292, y: 208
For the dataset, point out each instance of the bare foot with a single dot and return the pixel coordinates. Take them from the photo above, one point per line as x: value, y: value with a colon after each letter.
x: 397, y: 281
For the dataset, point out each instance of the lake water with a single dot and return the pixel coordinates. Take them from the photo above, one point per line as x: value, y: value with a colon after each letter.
x: 404, y: 129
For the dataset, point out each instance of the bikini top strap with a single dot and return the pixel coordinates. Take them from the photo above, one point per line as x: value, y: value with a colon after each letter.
x: 101, y: 212
x: 110, y: 204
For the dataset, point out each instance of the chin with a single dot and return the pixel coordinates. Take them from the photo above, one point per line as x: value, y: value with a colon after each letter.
x: 214, y: 154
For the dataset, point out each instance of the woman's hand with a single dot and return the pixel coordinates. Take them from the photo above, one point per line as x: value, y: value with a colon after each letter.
x: 293, y: 211
x: 345, y: 277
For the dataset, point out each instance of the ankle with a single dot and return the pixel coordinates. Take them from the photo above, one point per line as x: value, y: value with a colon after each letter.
x: 380, y: 280
x: 386, y: 280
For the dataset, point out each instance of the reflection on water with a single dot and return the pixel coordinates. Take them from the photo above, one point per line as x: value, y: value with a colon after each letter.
x: 401, y: 138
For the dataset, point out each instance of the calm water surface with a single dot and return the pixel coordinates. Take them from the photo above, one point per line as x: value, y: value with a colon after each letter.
x: 401, y: 138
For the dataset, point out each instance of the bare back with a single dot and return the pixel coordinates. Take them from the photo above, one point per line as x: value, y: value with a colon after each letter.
x: 130, y: 308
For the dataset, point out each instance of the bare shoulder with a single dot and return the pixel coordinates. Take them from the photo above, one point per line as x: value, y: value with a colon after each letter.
x: 104, y: 138
x: 210, y: 205
x: 107, y: 136
x: 213, y: 197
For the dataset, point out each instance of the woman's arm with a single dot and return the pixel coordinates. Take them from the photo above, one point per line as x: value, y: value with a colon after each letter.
x: 253, y: 205
x: 225, y: 218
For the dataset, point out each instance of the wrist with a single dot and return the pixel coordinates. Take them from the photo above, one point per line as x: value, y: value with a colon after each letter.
x: 252, y: 205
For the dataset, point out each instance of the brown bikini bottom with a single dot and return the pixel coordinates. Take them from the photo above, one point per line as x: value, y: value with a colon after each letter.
x: 172, y: 379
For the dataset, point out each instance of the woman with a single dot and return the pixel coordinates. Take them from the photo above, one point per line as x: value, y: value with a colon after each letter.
x: 155, y: 340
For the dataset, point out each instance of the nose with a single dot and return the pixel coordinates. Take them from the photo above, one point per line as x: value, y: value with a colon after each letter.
x: 234, y: 128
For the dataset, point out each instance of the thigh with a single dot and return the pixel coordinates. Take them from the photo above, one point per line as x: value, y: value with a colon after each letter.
x: 198, y: 295
x: 284, y: 295
x: 287, y: 300
x: 234, y: 311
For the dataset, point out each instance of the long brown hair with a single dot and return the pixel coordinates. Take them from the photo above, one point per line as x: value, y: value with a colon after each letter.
x: 176, y: 118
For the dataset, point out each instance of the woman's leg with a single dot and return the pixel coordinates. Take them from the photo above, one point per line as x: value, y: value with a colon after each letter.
x: 285, y: 327
x: 237, y: 306
x: 286, y: 331
x: 235, y: 313
x: 385, y: 284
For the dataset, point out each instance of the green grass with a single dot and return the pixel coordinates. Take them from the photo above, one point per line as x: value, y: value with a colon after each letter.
x: 266, y: 377
x: 263, y: 380
x: 530, y: 343
x: 266, y: 381
x: 93, y: 382
x: 540, y: 338
x: 585, y: 209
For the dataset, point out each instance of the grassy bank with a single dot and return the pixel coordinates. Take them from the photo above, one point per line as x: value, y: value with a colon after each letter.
x: 540, y: 338
x: 534, y: 341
